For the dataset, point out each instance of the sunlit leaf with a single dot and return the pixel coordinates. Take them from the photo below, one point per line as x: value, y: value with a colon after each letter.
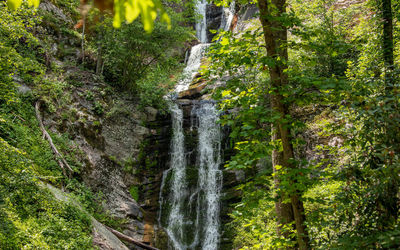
x: 132, y: 10
x: 224, y: 41
x: 34, y: 3
x: 14, y: 4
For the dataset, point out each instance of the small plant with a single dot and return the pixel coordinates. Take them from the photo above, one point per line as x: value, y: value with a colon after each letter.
x: 98, y: 108
x: 129, y: 165
x: 75, y: 83
x: 96, y: 123
x: 89, y: 95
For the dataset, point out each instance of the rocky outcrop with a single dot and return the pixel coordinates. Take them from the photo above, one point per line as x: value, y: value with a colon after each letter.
x: 194, y: 91
x: 108, y: 130
x: 56, y: 11
x: 153, y: 160
x: 246, y: 17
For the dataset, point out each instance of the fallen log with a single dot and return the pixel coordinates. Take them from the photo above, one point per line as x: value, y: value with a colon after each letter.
x: 129, y: 239
x: 59, y: 158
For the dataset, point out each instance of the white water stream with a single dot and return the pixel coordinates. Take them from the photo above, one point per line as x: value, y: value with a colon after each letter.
x: 184, y: 230
x: 192, y: 66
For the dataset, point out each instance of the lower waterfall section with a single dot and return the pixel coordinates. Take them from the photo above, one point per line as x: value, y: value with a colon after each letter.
x: 175, y: 228
x: 210, y: 177
x: 190, y: 189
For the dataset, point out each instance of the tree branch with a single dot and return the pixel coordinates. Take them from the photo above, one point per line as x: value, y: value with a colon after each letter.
x: 60, y: 159
x: 129, y: 239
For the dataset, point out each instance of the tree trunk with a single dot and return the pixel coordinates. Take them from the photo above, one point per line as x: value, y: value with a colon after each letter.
x: 387, y: 17
x: 275, y: 35
x: 387, y: 43
x: 391, y: 201
x: 99, y: 62
x: 83, y: 40
x: 283, y: 209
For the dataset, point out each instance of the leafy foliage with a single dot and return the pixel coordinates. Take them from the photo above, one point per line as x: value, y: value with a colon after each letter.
x: 144, y: 63
x: 30, y: 216
x: 127, y: 10
x: 342, y: 95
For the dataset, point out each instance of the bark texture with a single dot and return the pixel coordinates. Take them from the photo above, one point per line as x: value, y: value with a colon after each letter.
x: 387, y: 17
x: 390, y: 203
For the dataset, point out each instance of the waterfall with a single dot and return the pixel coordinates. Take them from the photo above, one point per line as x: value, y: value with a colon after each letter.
x: 175, y: 228
x: 210, y: 177
x: 201, y: 25
x: 192, y: 67
x: 197, y: 51
x: 194, y: 208
x: 227, y: 17
x: 192, y: 205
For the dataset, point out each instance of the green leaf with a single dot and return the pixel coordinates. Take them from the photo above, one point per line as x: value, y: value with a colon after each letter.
x: 14, y: 4
x: 165, y: 18
x: 224, y: 41
x: 132, y: 10
x: 34, y: 3
x: 226, y: 93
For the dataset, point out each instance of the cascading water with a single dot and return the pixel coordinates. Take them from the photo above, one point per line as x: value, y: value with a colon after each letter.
x: 209, y: 176
x: 192, y: 66
x: 175, y: 228
x: 197, y: 52
x: 201, y: 25
x: 192, y: 208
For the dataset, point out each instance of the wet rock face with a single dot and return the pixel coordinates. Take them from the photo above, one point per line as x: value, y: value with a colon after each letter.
x: 153, y: 159
x: 214, y: 18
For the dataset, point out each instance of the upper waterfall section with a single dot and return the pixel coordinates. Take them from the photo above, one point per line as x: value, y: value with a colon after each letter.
x: 207, y: 20
x: 201, y: 25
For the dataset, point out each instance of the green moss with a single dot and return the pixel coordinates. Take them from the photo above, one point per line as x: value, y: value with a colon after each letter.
x: 134, y: 191
x: 150, y: 163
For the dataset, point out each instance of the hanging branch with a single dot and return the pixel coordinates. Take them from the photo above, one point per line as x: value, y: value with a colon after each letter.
x: 129, y: 239
x: 60, y: 159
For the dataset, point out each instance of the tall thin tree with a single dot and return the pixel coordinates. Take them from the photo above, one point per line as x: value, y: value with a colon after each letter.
x: 272, y: 15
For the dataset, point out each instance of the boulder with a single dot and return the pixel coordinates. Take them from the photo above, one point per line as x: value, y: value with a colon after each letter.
x: 193, y: 92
